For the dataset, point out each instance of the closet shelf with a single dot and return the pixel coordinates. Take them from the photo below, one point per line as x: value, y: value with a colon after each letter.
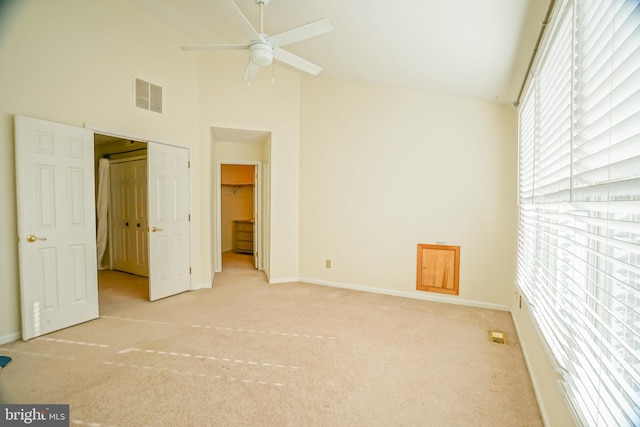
x: 237, y: 186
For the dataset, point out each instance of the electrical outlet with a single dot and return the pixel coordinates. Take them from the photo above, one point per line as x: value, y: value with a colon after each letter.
x: 327, y: 263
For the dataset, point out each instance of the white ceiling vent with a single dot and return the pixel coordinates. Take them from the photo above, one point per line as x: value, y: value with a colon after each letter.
x: 148, y: 96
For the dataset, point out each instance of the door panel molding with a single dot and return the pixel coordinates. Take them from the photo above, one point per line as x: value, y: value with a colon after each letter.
x: 169, y: 228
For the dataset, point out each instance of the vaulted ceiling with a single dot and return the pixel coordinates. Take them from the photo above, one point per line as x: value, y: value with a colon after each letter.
x: 473, y: 48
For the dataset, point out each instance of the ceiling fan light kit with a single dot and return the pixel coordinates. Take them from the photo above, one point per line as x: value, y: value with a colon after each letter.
x: 263, y: 49
x: 261, y: 54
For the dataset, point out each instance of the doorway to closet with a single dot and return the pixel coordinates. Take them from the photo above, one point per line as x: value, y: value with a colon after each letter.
x: 143, y: 213
x: 238, y: 214
x: 122, y: 220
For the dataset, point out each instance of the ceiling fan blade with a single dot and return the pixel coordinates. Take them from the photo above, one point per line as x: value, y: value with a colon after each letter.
x: 238, y: 17
x: 295, y: 61
x: 215, y: 47
x: 250, y: 72
x: 302, y: 32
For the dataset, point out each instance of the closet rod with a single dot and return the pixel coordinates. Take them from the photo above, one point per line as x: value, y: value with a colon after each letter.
x: 107, y: 156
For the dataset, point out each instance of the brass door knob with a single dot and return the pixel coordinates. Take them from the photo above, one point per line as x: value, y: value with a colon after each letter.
x: 154, y: 229
x: 32, y: 238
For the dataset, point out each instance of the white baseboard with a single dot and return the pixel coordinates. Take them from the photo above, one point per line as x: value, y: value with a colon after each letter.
x: 203, y: 285
x: 285, y: 280
x: 404, y: 294
x: 532, y: 375
x: 10, y: 338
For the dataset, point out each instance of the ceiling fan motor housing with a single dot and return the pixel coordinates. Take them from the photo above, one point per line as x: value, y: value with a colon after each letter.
x: 261, y: 54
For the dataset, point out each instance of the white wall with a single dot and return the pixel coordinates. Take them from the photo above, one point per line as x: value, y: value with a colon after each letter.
x: 384, y: 169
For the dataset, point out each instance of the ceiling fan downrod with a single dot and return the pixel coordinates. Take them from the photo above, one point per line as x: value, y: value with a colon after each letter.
x: 261, y: 4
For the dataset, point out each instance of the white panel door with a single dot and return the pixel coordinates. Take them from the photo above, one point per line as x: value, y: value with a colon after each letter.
x: 129, y: 216
x: 56, y: 225
x: 169, y: 258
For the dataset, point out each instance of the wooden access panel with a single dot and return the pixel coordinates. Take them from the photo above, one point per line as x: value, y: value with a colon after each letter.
x: 438, y: 268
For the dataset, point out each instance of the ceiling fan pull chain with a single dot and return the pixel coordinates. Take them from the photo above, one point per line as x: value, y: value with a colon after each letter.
x: 273, y: 73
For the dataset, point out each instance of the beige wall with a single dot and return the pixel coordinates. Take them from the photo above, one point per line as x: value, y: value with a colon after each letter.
x: 227, y: 102
x: 74, y: 62
x: 384, y: 169
x: 355, y: 173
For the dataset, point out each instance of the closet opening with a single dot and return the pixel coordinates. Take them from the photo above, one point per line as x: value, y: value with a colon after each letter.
x: 238, y: 213
x: 121, y: 220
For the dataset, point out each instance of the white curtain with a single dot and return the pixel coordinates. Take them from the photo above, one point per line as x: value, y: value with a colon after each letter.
x: 102, y: 209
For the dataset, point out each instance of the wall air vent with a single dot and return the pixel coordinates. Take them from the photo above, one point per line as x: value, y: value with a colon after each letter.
x: 148, y: 96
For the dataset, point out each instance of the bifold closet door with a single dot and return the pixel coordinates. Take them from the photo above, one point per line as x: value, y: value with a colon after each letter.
x: 130, y: 246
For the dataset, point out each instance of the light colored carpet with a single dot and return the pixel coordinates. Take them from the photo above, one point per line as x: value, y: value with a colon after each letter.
x: 246, y: 353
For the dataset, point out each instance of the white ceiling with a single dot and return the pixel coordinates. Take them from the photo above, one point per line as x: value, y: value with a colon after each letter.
x: 474, y: 48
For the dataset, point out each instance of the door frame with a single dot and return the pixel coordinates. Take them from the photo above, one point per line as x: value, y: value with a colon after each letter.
x: 114, y: 133
x: 257, y: 188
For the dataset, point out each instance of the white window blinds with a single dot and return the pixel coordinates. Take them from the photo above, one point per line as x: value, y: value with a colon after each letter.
x: 579, y: 205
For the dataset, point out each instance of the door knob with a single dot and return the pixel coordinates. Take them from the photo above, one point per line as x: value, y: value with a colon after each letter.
x: 32, y: 238
x: 154, y: 229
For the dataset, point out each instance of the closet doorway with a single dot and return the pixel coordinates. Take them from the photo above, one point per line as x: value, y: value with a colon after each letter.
x: 238, y: 214
x: 122, y: 211
x: 145, y: 232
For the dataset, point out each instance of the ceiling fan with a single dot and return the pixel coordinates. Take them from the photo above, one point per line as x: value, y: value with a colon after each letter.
x: 263, y: 49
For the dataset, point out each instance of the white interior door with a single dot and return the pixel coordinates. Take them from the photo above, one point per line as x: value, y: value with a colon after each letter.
x: 168, y: 169
x: 56, y: 225
x: 129, y: 216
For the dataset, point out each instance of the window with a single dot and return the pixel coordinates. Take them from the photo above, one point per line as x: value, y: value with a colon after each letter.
x: 579, y: 205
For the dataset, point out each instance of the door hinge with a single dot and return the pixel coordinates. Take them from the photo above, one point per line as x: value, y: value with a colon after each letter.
x: 189, y: 217
x: 189, y: 164
x: 189, y: 270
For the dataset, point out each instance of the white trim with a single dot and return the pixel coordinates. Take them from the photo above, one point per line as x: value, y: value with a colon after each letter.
x: 284, y: 280
x: 128, y: 135
x: 10, y: 338
x: 198, y: 286
x: 115, y: 133
x: 419, y: 295
x: 534, y: 380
